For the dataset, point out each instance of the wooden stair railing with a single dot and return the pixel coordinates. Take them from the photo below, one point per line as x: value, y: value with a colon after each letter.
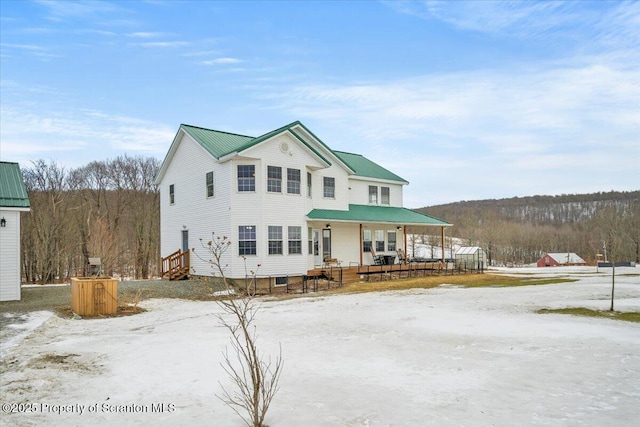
x: 176, y: 266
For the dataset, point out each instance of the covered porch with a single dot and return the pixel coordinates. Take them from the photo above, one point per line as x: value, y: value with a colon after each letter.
x: 367, y: 235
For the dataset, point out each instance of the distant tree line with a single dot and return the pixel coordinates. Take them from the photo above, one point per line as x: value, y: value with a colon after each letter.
x: 110, y: 210
x: 519, y: 231
x: 106, y: 209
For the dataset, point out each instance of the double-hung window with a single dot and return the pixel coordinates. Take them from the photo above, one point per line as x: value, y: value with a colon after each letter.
x: 309, y: 184
x: 172, y: 194
x: 366, y: 240
x: 247, y: 240
x: 295, y: 239
x: 275, y: 240
x: 385, y: 199
x: 373, y: 195
x: 293, y: 181
x: 379, y: 240
x: 329, y: 187
x: 274, y: 179
x: 246, y: 178
x: 209, y: 184
x: 391, y: 241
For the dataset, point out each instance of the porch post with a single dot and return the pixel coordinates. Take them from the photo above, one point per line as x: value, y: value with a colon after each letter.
x: 360, y: 244
x: 442, y: 234
x: 404, y: 237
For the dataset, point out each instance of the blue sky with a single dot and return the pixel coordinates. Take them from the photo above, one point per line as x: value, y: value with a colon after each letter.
x: 465, y: 100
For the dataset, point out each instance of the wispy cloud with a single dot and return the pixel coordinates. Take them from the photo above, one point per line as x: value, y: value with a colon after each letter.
x: 163, y: 44
x: 73, y: 130
x: 61, y: 10
x: 219, y: 61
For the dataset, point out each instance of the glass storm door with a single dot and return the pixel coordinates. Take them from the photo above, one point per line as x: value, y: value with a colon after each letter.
x: 185, y: 240
x: 317, y: 258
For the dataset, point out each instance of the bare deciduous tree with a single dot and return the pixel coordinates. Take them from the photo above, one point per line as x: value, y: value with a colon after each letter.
x: 254, y: 379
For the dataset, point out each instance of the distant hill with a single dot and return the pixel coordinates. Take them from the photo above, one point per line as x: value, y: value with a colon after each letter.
x: 523, y: 228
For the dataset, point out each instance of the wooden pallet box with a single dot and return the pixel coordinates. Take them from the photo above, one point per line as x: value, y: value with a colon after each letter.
x: 94, y: 296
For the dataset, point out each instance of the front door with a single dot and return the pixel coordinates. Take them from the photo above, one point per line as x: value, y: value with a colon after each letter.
x: 326, y: 243
x: 185, y: 240
x: 317, y: 258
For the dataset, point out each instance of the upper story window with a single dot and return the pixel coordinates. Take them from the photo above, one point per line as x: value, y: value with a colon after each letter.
x: 209, y: 184
x: 275, y: 240
x: 247, y: 240
x: 172, y: 194
x: 329, y: 187
x: 309, y: 184
x: 274, y: 179
x: 373, y: 195
x: 246, y: 178
x: 384, y: 192
x: 293, y: 181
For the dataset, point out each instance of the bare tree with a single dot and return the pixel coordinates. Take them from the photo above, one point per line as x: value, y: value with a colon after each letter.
x: 254, y: 379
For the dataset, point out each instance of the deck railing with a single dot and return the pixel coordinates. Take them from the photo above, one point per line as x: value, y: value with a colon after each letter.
x: 176, y: 265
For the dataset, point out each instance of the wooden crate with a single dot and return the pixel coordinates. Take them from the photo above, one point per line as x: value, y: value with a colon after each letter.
x: 92, y: 296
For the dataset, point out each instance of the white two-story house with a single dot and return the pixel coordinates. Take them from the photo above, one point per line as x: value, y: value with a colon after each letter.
x: 285, y: 200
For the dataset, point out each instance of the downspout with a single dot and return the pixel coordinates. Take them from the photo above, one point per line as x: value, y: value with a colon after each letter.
x: 442, y: 235
x: 360, y: 247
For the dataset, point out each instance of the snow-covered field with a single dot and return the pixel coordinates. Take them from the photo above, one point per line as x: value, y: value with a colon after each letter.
x: 436, y: 357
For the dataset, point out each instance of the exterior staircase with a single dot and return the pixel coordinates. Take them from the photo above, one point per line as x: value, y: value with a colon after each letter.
x: 176, y: 266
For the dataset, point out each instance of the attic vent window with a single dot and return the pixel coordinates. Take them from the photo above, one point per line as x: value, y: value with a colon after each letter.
x: 284, y: 147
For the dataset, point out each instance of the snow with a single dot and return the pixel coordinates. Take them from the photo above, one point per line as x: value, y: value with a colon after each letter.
x: 447, y: 356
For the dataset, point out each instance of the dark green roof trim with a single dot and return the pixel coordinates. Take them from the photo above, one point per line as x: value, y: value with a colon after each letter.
x: 382, y: 214
x: 13, y: 192
x: 367, y: 168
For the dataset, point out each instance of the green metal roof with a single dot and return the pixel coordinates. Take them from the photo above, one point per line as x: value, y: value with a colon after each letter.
x: 13, y: 193
x: 215, y: 142
x: 383, y: 214
x: 219, y: 144
x: 366, y: 168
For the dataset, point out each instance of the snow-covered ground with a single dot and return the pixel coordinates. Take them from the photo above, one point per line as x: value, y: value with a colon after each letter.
x: 435, y: 357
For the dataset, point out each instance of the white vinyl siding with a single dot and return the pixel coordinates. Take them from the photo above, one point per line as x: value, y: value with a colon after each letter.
x: 10, y: 256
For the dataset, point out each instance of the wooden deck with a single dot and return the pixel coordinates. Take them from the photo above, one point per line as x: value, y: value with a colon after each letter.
x: 359, y: 273
x: 332, y: 276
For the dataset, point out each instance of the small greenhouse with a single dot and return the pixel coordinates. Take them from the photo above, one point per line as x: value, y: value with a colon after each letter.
x: 471, y: 258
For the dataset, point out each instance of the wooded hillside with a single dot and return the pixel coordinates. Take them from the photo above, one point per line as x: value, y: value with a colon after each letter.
x: 521, y: 229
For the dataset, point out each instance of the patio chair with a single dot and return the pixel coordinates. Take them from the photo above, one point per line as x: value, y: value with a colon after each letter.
x: 377, y: 259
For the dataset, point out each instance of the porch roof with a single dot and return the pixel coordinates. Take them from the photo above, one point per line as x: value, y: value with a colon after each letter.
x: 381, y: 214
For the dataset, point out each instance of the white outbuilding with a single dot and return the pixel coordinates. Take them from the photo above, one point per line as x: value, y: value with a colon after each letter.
x: 13, y: 200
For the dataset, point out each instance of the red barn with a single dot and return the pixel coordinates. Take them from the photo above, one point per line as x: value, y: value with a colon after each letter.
x: 560, y: 259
